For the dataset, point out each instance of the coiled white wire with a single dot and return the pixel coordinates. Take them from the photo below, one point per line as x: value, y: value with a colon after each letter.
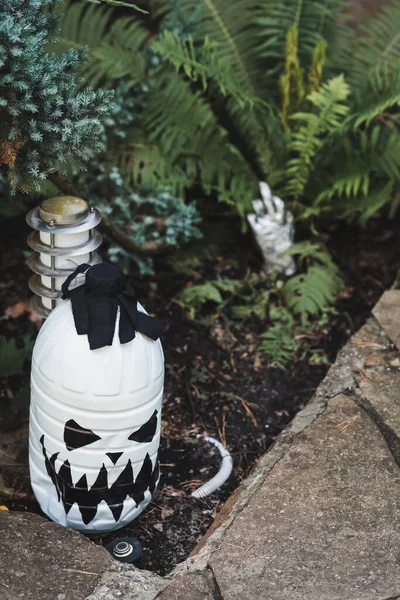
x: 225, y: 470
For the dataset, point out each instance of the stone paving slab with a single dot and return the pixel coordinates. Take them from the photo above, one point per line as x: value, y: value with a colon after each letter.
x: 382, y: 391
x: 40, y: 560
x: 126, y: 582
x: 377, y: 373
x: 196, y: 586
x: 387, y: 313
x: 325, y: 525
x: 43, y: 561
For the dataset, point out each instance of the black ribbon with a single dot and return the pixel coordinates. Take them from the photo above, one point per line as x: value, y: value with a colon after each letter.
x: 95, y: 307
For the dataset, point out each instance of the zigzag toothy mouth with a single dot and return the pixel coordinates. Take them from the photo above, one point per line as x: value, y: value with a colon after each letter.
x: 88, y: 500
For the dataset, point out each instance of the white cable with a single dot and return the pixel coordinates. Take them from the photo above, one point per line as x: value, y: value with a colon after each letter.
x: 225, y: 470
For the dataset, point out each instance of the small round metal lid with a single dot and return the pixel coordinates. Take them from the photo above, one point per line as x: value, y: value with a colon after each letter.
x: 63, y: 210
x: 125, y: 549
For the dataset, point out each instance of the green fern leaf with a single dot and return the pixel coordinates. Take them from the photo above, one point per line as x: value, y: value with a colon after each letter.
x: 113, y: 46
x: 310, y: 293
x: 349, y: 184
x: 233, y: 28
x: 379, y: 95
x: 366, y: 163
x: 377, y: 49
x: 203, y: 64
x: 307, y: 140
x: 195, y: 296
x: 315, y: 21
x: 278, y: 342
x: 367, y: 205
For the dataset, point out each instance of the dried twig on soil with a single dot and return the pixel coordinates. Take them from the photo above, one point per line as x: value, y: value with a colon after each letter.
x: 370, y: 345
x: 240, y: 562
x: 345, y: 424
x: 81, y: 572
x: 146, y: 530
x: 246, y: 406
x: 363, y: 374
x: 222, y: 429
x: 193, y: 483
x: 196, y: 557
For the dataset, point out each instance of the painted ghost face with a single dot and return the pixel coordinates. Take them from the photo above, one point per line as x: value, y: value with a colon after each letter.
x: 106, y: 490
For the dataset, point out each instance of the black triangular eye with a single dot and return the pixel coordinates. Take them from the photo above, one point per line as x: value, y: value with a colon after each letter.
x: 146, y: 432
x: 76, y: 436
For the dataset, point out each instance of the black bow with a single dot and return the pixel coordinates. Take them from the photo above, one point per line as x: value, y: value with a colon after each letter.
x: 95, y: 306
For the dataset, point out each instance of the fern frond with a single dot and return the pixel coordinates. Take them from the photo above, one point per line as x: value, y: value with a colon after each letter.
x: 367, y: 205
x: 182, y: 142
x: 278, y: 342
x: 369, y: 157
x: 233, y: 28
x: 193, y: 297
x: 309, y: 294
x: 348, y: 184
x: 315, y: 21
x: 203, y: 64
x: 181, y: 120
x: 330, y: 112
x: 376, y: 51
x: 113, y: 46
x: 378, y: 96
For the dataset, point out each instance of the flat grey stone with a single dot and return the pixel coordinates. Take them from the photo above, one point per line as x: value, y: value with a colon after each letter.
x: 325, y: 524
x: 373, y: 349
x: 387, y: 313
x: 191, y: 586
x: 377, y: 372
x: 43, y: 561
x: 382, y: 390
x: 125, y: 582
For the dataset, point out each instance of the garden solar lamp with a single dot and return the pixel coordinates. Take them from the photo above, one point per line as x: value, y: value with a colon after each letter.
x: 65, y: 236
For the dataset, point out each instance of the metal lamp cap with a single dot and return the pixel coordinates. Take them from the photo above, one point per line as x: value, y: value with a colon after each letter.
x: 63, y: 210
x: 125, y: 549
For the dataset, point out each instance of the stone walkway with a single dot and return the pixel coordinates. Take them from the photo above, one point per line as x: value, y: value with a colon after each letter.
x: 318, y: 518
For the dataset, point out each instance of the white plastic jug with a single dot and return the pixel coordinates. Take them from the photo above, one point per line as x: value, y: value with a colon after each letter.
x: 95, y: 413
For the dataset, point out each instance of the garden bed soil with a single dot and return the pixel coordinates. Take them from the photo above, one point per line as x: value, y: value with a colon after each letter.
x: 216, y: 381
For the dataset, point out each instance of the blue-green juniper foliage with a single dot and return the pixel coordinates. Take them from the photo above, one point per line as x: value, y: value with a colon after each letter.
x: 44, y: 120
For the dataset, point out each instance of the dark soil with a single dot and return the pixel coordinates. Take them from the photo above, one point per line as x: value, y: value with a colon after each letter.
x: 216, y: 380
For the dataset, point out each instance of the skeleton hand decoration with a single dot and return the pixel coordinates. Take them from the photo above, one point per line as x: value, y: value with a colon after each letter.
x: 273, y: 230
x: 95, y: 414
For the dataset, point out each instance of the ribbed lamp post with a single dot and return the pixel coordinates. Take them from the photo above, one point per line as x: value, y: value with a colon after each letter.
x: 64, y: 237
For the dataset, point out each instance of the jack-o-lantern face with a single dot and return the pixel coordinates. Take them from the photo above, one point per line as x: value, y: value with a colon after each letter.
x: 126, y: 485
